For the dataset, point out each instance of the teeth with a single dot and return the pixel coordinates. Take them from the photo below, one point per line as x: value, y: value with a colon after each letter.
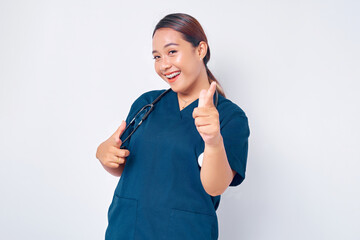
x: 172, y: 75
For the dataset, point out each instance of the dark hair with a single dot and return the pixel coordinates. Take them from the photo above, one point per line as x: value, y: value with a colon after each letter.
x: 192, y: 32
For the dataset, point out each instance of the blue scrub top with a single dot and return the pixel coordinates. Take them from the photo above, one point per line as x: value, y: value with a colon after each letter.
x: 160, y: 194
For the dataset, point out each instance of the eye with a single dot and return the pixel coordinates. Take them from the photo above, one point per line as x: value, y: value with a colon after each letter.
x: 174, y: 51
x: 155, y: 57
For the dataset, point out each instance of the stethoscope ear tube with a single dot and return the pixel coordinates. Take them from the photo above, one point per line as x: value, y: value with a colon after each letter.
x: 147, y: 114
x: 216, y: 98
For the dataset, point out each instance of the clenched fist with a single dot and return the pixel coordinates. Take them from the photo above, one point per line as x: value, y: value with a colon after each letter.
x: 207, y: 117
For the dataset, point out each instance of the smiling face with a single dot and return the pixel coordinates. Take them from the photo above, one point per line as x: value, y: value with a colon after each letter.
x: 177, y: 62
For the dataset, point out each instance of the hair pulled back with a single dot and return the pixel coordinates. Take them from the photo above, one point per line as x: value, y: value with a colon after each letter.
x: 193, y: 33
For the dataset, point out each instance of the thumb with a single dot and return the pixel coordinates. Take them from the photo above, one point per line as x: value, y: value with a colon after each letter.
x: 117, y: 134
x: 202, y: 99
x: 210, y: 94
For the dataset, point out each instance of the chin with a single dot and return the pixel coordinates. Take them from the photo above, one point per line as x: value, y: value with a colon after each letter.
x: 177, y: 86
x: 175, y: 89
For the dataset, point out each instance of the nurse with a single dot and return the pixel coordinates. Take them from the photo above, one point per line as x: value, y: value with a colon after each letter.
x: 186, y: 153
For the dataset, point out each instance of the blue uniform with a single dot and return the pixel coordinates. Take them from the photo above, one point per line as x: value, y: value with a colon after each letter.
x: 160, y: 195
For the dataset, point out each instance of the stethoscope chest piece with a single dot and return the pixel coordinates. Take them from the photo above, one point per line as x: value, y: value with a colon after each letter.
x: 200, y: 159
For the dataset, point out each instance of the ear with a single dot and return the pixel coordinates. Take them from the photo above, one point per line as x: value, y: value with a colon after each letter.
x: 202, y: 49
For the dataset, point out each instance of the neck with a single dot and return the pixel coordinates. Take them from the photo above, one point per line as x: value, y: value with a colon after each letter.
x: 193, y: 92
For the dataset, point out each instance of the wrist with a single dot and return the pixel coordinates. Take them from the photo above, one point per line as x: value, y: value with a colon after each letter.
x: 216, y: 143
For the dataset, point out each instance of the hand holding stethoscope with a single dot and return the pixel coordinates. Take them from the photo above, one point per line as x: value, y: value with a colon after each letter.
x: 110, y: 154
x: 207, y: 117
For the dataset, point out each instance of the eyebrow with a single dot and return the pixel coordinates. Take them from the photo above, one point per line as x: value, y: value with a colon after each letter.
x: 166, y: 45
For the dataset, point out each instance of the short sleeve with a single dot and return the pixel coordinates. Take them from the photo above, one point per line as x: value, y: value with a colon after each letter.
x: 235, y: 132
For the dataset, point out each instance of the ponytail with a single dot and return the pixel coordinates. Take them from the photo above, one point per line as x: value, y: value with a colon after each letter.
x: 211, y: 79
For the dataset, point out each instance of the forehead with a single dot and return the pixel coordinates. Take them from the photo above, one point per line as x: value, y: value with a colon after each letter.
x: 163, y: 36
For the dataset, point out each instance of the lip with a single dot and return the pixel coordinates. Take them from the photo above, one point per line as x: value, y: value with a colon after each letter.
x: 173, y: 79
x: 171, y: 72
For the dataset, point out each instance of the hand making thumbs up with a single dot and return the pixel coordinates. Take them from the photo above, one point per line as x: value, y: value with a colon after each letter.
x: 207, y: 117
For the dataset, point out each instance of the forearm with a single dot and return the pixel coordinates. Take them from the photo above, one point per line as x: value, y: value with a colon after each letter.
x: 216, y: 173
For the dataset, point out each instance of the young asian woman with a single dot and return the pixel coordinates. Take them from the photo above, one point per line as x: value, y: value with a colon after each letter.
x: 187, y: 151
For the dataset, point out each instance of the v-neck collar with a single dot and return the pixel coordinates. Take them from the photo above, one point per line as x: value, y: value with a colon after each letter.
x: 187, y: 111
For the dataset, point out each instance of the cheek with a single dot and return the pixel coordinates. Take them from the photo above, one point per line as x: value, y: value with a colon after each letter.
x: 182, y: 63
x: 157, y: 68
x: 178, y: 60
x: 187, y: 63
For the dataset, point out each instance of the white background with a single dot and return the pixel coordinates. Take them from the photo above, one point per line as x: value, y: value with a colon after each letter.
x: 69, y: 71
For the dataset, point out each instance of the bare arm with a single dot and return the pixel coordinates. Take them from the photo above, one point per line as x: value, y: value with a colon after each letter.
x: 216, y: 173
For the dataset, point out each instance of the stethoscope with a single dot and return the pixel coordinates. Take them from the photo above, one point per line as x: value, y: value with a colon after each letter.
x: 147, y: 109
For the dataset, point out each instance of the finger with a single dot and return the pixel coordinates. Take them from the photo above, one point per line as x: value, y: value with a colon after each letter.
x: 201, y: 112
x: 117, y: 134
x: 210, y: 95
x: 206, y: 129
x: 206, y: 96
x: 121, y: 152
x: 112, y: 165
x: 202, y: 98
x: 202, y: 121
x: 117, y: 160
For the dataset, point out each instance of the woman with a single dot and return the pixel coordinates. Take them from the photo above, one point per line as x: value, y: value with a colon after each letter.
x: 186, y: 153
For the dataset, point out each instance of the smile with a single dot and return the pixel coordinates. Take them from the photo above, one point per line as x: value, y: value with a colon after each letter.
x: 173, y: 74
x: 172, y: 77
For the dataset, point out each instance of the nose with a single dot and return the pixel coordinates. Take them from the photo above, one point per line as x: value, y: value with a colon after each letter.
x: 165, y: 64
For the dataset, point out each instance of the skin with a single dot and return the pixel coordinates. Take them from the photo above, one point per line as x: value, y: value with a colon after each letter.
x: 111, y: 157
x: 172, y: 53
